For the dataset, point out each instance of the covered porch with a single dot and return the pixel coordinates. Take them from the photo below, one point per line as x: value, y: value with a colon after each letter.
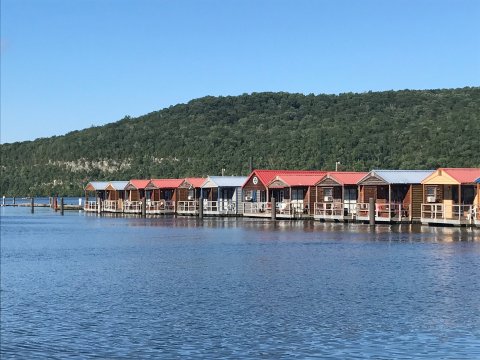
x: 336, y: 196
x: 397, y: 195
x: 135, y: 193
x: 161, y: 196
x: 450, y: 197
x: 115, y: 196
x: 95, y: 192
x: 188, y: 195
x: 222, y: 195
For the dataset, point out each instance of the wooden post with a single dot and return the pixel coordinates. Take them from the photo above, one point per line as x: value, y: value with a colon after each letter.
x: 200, y: 208
x: 33, y: 204
x: 274, y: 209
x: 55, y: 203
x: 371, y: 211
x: 14, y: 200
x: 144, y: 206
x: 3, y: 200
x: 61, y: 205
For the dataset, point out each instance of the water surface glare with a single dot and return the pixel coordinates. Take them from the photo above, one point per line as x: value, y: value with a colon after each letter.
x: 83, y: 286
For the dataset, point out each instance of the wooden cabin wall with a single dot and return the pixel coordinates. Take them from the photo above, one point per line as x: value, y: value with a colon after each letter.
x: 312, y: 198
x: 182, y: 194
x: 369, y: 191
x: 320, y: 194
x: 416, y: 196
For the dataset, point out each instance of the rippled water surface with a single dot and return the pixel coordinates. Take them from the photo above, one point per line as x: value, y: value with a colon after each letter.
x: 86, y: 286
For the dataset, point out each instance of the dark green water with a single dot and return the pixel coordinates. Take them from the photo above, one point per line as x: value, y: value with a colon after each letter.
x: 83, y: 286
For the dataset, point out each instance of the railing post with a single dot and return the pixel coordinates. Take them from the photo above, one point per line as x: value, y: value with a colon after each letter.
x: 371, y: 211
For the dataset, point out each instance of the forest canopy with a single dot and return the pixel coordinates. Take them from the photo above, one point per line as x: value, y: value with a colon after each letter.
x: 421, y: 129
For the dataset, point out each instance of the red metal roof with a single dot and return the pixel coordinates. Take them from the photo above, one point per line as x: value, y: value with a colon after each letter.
x: 463, y: 175
x: 195, y: 182
x: 139, y: 184
x: 266, y: 176
x: 299, y: 180
x: 346, y: 177
x: 167, y: 183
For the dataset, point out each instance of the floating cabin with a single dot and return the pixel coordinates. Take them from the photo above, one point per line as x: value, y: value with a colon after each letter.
x: 115, y: 196
x: 294, y: 194
x: 135, y: 192
x: 162, y: 195
x: 188, y: 194
x: 256, y: 194
x: 95, y: 190
x: 222, y: 195
x: 336, y: 196
x: 451, y: 196
x: 397, y: 194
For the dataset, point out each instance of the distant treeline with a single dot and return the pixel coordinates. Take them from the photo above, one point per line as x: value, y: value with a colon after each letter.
x: 390, y: 130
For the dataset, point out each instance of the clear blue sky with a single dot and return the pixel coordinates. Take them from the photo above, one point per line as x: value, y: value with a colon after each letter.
x: 67, y: 65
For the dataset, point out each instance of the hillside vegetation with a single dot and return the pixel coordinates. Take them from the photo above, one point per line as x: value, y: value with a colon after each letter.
x: 392, y: 129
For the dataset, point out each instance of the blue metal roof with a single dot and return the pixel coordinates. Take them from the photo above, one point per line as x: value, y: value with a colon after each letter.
x: 478, y: 180
x: 98, y: 185
x: 224, y: 181
x: 118, y: 185
x: 403, y: 176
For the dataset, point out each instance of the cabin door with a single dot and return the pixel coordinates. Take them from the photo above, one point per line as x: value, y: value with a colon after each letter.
x: 350, y: 200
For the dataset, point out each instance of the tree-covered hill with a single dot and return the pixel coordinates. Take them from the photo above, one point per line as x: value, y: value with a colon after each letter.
x: 392, y: 129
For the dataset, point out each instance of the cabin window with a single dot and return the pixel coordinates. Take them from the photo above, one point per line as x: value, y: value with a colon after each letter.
x: 328, y: 192
x: 191, y: 194
x: 168, y: 195
x: 432, y: 191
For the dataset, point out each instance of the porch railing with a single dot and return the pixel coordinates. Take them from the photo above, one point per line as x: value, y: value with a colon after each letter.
x: 448, y: 212
x: 222, y: 207
x: 257, y: 207
x: 160, y: 206
x: 90, y: 206
x: 328, y: 209
x: 190, y: 207
x: 111, y: 206
x: 132, y: 206
x: 383, y: 211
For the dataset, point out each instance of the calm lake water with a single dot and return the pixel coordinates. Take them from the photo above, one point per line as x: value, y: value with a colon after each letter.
x: 84, y: 286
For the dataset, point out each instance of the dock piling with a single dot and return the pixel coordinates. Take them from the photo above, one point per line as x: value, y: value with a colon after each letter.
x: 3, y: 200
x: 61, y: 205
x: 200, y: 208
x: 144, y: 207
x: 33, y: 205
x: 274, y: 209
x: 14, y: 201
x: 371, y: 211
